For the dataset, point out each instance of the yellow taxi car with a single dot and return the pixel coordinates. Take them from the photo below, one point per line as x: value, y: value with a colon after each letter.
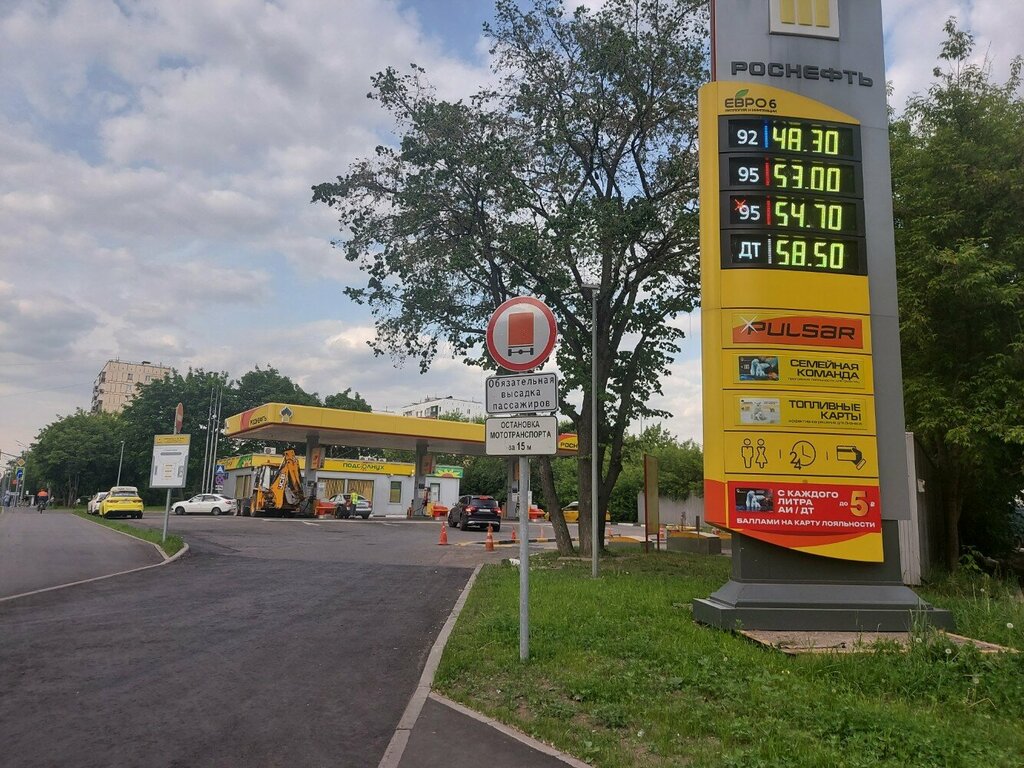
x: 122, y: 501
x: 571, y: 513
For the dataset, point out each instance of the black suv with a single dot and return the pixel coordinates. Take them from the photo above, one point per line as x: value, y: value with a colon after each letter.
x: 480, y: 511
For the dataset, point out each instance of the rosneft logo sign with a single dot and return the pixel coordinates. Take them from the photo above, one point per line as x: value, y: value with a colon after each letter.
x: 808, y: 18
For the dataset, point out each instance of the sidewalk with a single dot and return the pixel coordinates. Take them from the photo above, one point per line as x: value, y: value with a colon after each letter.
x: 446, y: 736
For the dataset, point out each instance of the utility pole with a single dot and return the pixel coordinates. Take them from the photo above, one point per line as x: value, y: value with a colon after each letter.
x: 119, y: 462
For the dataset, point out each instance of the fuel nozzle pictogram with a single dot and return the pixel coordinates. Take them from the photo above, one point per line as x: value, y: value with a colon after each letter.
x: 852, y: 454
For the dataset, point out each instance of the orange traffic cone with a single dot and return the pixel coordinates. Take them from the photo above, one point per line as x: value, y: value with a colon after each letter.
x: 489, y: 546
x: 514, y: 536
x: 444, y: 534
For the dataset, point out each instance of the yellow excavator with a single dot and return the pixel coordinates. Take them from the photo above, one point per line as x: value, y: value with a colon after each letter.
x: 277, y: 491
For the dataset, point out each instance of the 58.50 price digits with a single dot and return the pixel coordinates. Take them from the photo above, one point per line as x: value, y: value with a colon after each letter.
x: 798, y: 252
x: 809, y: 253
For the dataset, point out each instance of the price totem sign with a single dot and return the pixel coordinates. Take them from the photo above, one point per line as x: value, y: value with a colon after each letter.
x: 787, y: 289
x: 804, y: 437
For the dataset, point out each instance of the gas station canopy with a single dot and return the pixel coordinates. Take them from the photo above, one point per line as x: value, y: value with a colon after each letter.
x: 281, y: 422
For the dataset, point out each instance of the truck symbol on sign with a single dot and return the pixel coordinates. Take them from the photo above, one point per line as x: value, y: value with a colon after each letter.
x: 520, y: 333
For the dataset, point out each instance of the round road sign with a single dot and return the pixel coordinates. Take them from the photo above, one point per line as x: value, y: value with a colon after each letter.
x: 521, y: 333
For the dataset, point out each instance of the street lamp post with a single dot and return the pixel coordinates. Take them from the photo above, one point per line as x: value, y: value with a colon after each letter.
x: 121, y: 459
x: 594, y: 550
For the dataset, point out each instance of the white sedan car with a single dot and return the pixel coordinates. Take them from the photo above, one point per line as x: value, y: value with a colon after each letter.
x: 93, y: 507
x: 206, y: 504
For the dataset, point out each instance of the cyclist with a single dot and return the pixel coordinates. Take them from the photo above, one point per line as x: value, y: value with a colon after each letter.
x: 41, y: 498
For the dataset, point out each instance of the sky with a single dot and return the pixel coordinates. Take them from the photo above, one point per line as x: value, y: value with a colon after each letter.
x: 156, y: 159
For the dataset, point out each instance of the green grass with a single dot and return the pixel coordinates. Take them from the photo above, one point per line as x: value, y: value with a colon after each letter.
x: 620, y: 675
x: 171, y: 547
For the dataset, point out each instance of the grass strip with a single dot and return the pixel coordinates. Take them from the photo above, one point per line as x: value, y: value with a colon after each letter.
x: 170, y: 547
x: 621, y: 676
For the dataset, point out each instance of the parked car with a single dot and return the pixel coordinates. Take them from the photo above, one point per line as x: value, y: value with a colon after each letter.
x: 571, y: 513
x: 364, y: 507
x: 207, y: 504
x: 93, y: 507
x: 479, y: 511
x: 122, y: 501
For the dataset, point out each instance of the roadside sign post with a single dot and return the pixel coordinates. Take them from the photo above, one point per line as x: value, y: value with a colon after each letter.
x: 524, y: 558
x: 520, y: 336
x: 169, y: 468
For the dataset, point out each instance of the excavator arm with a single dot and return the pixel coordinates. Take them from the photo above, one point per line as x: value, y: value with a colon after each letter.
x: 278, y: 491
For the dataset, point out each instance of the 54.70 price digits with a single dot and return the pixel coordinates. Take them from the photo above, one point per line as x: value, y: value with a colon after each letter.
x: 793, y: 213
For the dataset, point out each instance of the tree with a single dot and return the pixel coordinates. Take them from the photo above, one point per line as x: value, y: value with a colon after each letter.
x: 151, y: 412
x: 267, y: 385
x: 579, y: 166
x: 957, y: 155
x: 348, y: 401
x: 76, y: 454
x: 680, y: 470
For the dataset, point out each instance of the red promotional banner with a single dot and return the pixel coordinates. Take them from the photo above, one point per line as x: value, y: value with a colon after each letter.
x: 804, y: 509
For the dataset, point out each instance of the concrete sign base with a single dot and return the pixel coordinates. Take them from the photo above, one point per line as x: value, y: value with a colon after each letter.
x: 770, y: 590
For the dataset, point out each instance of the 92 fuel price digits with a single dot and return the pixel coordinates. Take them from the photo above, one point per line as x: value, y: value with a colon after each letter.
x: 805, y: 137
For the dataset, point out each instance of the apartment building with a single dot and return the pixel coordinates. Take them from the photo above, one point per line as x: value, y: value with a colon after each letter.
x: 115, y: 386
x: 438, y: 406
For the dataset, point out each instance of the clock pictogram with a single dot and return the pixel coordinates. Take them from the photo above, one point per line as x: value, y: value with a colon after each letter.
x: 802, y: 454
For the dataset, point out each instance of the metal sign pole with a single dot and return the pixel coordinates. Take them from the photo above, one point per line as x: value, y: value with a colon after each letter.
x: 167, y: 506
x: 167, y: 514
x: 595, y: 549
x: 524, y: 558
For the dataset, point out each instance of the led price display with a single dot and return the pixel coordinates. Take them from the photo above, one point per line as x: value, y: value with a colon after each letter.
x: 796, y: 195
x: 793, y: 212
x: 795, y: 174
x: 774, y: 134
x: 796, y: 251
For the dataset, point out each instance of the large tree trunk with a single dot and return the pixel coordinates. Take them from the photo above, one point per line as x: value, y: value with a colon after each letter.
x: 547, y: 481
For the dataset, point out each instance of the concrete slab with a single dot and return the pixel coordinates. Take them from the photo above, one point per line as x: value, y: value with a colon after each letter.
x: 796, y: 643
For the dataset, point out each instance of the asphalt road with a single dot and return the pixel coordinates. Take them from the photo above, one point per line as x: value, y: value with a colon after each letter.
x: 274, y: 643
x: 43, y: 550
